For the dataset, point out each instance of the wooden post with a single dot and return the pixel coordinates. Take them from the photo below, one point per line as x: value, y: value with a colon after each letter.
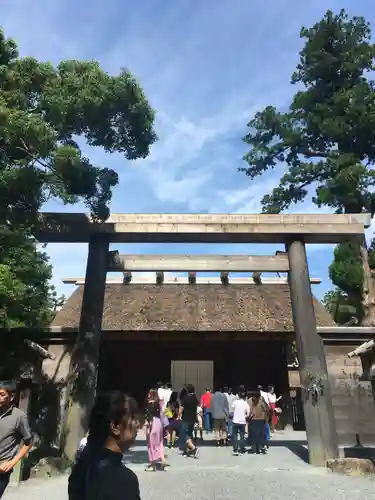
x: 85, y: 357
x: 318, y: 410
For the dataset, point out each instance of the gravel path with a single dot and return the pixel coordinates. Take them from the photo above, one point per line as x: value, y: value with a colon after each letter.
x: 217, y: 475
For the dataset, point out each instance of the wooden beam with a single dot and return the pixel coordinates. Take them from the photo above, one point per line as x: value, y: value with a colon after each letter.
x: 183, y: 280
x: 203, y: 228
x: 198, y: 263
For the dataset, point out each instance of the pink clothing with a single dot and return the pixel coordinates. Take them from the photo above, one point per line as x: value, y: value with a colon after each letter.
x: 155, y: 438
x: 275, y: 418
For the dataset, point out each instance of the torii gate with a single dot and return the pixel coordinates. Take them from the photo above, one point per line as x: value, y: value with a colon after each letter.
x: 293, y: 230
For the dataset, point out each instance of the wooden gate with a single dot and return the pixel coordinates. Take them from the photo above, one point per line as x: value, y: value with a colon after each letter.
x: 198, y: 373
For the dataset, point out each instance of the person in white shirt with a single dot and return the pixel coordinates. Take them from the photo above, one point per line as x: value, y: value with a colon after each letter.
x: 272, y: 400
x: 241, y: 412
x: 162, y: 395
x: 167, y: 393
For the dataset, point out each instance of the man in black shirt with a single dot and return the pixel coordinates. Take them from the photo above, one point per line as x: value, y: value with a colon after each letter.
x: 188, y: 413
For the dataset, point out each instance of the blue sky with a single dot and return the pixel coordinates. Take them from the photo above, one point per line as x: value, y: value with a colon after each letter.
x: 206, y: 66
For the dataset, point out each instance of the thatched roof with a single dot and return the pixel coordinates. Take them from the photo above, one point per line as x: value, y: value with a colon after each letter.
x: 198, y: 307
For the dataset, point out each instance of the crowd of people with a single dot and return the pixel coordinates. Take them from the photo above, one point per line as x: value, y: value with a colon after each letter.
x: 171, y: 415
x: 170, y: 418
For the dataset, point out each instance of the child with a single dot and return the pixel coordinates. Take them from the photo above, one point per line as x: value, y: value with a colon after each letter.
x: 155, y: 438
x: 199, y: 424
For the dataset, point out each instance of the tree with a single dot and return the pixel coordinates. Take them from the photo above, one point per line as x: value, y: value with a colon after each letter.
x: 341, y: 307
x: 45, y: 113
x: 26, y: 298
x: 326, y: 140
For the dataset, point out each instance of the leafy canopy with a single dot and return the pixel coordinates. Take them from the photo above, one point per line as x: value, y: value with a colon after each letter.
x: 26, y: 297
x: 44, y: 111
x: 327, y: 137
x: 341, y: 307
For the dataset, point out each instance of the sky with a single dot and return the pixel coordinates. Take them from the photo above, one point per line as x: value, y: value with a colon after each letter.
x: 206, y: 67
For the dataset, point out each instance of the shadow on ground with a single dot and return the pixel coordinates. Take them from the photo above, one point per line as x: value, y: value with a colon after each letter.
x: 298, y: 447
x: 138, y: 454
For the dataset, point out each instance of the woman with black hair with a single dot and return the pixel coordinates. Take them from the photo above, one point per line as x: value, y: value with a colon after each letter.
x: 155, y: 438
x: 172, y: 412
x: 99, y: 473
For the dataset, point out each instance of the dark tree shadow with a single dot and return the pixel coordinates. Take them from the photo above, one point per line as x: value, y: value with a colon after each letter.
x: 298, y: 447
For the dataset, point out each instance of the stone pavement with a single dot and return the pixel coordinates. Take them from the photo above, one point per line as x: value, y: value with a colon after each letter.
x: 280, y: 475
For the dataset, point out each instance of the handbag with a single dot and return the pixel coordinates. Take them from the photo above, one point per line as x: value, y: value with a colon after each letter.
x: 164, y: 421
x: 168, y: 412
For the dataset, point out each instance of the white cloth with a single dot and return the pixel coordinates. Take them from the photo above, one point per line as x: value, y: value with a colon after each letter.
x: 271, y: 397
x: 264, y: 395
x: 167, y: 395
x: 83, y: 442
x: 164, y: 396
x: 81, y: 447
x: 231, y: 399
x: 161, y: 396
x: 241, y: 410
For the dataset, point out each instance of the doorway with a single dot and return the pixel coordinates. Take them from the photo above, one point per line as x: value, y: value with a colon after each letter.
x: 198, y: 373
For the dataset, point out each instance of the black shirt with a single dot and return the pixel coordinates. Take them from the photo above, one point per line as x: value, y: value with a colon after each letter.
x: 102, y: 476
x: 190, y: 404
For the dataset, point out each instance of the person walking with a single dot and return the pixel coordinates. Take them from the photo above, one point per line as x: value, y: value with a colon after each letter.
x: 188, y: 415
x: 14, y: 430
x: 267, y: 428
x: 231, y: 399
x: 272, y: 401
x: 199, y: 424
x: 206, y: 406
x: 172, y: 412
x: 155, y: 438
x: 241, y: 413
x: 220, y: 414
x: 258, y: 416
x: 99, y: 471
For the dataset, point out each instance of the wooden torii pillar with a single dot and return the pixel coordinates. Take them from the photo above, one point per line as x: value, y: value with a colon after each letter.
x: 85, y: 357
x: 317, y: 400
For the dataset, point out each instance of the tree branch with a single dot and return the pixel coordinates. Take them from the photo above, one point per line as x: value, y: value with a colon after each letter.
x: 316, y: 154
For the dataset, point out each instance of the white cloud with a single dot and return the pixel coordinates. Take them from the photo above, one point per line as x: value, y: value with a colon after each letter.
x: 206, y: 69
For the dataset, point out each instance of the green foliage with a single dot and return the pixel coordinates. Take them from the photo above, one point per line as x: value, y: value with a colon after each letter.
x: 343, y: 308
x: 327, y: 138
x: 345, y: 271
x: 44, y: 111
x: 26, y: 298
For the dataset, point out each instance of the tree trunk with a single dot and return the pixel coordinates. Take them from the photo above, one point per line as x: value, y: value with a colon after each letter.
x: 368, y: 289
